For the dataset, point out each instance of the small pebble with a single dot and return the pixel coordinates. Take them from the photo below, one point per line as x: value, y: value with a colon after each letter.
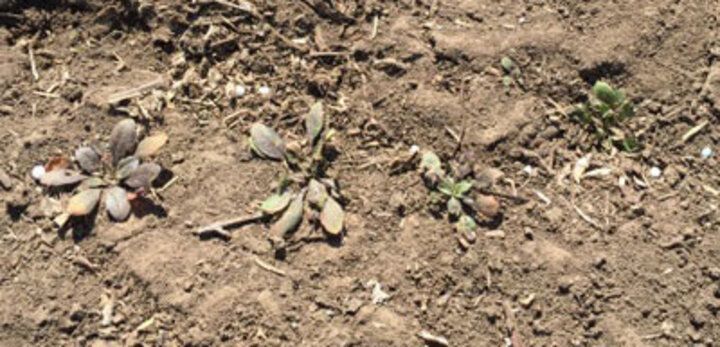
x: 239, y: 91
x: 655, y: 172
x: 706, y: 153
x: 414, y: 149
x: 528, y: 170
x: 264, y: 90
x: 38, y: 172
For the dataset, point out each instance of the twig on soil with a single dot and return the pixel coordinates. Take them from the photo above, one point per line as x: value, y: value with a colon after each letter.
x: 510, y: 325
x: 219, y: 228
x: 515, y: 198
x: 33, y: 66
x: 46, y: 95
x: 168, y: 184
x: 268, y: 267
x: 374, y: 31
x: 694, y: 131
x: 585, y: 217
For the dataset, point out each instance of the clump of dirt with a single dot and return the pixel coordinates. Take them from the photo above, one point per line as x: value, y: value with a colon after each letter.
x: 593, y: 247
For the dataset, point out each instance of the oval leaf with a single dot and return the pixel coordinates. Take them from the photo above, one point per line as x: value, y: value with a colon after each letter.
x: 61, y: 177
x: 454, y: 206
x: 122, y: 140
x: 88, y: 159
x: 605, y: 93
x: 116, y: 203
x: 332, y: 217
x: 83, y: 203
x: 126, y: 166
x: 290, y: 219
x: 150, y: 145
x: 465, y: 224
x: 276, y: 203
x: 317, y: 193
x: 266, y: 142
x: 314, y: 121
x: 143, y: 176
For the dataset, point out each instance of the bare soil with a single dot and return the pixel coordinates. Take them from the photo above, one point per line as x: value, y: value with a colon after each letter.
x: 592, y: 263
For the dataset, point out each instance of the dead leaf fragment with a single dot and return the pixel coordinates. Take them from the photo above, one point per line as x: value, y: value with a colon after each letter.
x: 580, y: 167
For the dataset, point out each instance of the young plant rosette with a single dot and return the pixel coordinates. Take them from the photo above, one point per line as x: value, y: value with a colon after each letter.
x: 315, y: 195
x: 118, y: 177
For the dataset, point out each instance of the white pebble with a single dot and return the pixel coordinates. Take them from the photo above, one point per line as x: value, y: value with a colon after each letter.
x: 528, y: 170
x: 38, y: 172
x: 414, y: 149
x: 706, y: 153
x: 655, y: 172
x: 239, y: 91
x: 264, y: 90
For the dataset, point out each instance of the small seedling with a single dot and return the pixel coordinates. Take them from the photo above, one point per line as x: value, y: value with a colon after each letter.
x: 454, y: 191
x: 605, y: 115
x: 304, y: 189
x: 116, y: 178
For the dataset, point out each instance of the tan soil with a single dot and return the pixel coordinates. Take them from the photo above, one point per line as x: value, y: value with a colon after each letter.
x: 647, y: 274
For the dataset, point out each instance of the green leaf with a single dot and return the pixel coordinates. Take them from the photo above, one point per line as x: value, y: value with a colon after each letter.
x: 317, y: 193
x: 431, y: 163
x: 627, y: 110
x: 447, y: 186
x: 507, y: 64
x: 266, y: 142
x: 290, y: 220
x: 465, y: 224
x: 605, y: 93
x: 462, y: 187
x: 454, y: 207
x: 276, y: 203
x: 332, y: 217
x: 314, y: 122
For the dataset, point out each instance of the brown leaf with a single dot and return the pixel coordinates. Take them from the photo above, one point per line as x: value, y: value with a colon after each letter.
x: 332, y: 217
x: 116, y: 203
x: 150, y: 145
x: 122, y: 140
x: 267, y: 142
x: 56, y: 163
x: 143, y: 175
x: 88, y: 159
x: 83, y: 203
x: 290, y: 219
x: 314, y: 122
x: 61, y: 177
